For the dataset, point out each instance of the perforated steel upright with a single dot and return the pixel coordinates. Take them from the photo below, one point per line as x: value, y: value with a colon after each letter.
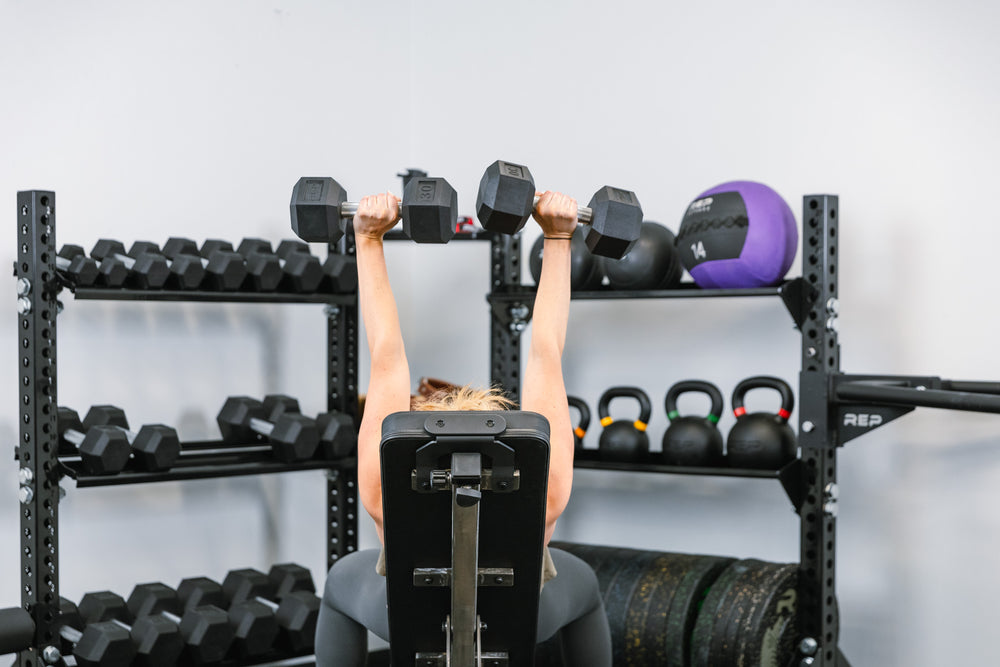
x: 817, y: 437
x: 507, y: 320
x: 37, y: 442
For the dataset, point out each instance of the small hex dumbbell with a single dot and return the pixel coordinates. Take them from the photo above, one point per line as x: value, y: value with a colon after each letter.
x: 224, y: 269
x: 205, y: 628
x: 296, y: 611
x: 146, y: 270
x: 292, y: 436
x: 101, y: 644
x: 103, y: 450
x: 186, y: 271
x: 73, y: 263
x: 255, y: 627
x: 155, y: 447
x: 156, y: 640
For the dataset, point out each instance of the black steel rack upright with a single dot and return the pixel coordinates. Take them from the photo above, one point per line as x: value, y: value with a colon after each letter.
x: 811, y: 481
x: 39, y: 287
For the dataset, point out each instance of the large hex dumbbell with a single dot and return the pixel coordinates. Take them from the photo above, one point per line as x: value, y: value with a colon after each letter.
x: 146, y: 270
x: 73, y: 262
x: 224, y: 269
x: 156, y: 640
x: 292, y: 436
x: 507, y: 198
x: 205, y: 629
x: 101, y: 644
x: 155, y: 447
x: 186, y: 271
x: 319, y: 207
x: 103, y: 450
x: 293, y: 264
x: 296, y: 611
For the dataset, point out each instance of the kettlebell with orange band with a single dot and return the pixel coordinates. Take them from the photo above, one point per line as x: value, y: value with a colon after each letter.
x: 581, y: 427
x: 762, y: 439
x: 622, y: 440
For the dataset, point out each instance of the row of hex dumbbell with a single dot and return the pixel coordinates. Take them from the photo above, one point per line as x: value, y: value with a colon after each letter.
x: 761, y: 440
x: 201, y: 622
x: 216, y: 266
x: 105, y: 444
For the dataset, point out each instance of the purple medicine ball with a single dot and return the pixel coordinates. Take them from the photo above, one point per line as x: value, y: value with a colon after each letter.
x: 738, y: 234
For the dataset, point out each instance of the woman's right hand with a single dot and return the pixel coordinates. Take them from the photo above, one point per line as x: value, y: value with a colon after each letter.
x: 376, y: 215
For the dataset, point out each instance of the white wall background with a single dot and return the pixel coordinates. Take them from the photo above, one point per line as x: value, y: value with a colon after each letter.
x: 195, y: 118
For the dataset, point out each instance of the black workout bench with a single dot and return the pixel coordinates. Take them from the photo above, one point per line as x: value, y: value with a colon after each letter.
x: 464, y: 497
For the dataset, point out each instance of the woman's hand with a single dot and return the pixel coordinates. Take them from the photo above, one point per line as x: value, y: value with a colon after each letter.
x: 376, y: 215
x: 555, y: 214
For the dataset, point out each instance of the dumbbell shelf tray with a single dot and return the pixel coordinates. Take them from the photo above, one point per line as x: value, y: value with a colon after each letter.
x: 117, y: 294
x: 684, y: 290
x: 193, y: 464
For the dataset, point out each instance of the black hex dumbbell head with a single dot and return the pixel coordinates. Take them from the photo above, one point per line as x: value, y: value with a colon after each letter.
x: 294, y: 438
x: 156, y: 447
x: 506, y: 197
x: 68, y: 419
x: 262, y: 264
x: 227, y: 267
x: 152, y: 598
x: 289, y: 577
x: 337, y: 436
x: 246, y: 584
x: 430, y: 210
x: 104, y: 644
x: 234, y: 418
x: 303, y: 272
x: 616, y: 222
x: 186, y: 272
x: 104, y: 606
x: 105, y: 415
x: 341, y: 272
x: 255, y: 628
x: 276, y: 405
x: 178, y: 245
x: 200, y: 591
x: 157, y: 640
x: 104, y: 450
x: 207, y: 633
x: 81, y: 269
x: 315, y: 209
x: 297, y: 615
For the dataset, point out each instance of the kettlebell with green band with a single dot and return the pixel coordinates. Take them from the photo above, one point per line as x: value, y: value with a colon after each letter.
x: 762, y: 439
x: 693, y: 441
x: 622, y: 440
x: 581, y: 427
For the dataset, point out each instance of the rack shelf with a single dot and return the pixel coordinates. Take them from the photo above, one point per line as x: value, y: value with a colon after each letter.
x: 683, y: 291
x: 115, y: 294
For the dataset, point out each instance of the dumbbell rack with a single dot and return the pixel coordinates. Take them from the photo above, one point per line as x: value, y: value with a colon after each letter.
x: 810, y: 481
x: 39, y: 287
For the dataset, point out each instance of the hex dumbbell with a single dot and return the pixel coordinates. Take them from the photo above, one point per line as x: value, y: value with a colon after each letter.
x: 224, y: 268
x: 155, y: 447
x: 507, y: 198
x: 319, y: 206
x: 296, y: 611
x: 73, y: 262
x: 157, y: 640
x: 292, y: 436
x: 186, y: 271
x: 205, y: 629
x: 146, y: 270
x: 254, y: 624
x: 103, y: 450
x: 340, y: 273
x: 293, y: 264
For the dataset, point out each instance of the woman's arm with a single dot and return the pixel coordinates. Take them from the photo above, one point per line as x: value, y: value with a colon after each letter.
x: 543, y: 390
x: 389, y: 382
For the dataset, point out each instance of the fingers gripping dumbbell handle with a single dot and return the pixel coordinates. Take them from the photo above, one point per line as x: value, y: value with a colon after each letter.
x: 349, y: 209
x: 583, y: 214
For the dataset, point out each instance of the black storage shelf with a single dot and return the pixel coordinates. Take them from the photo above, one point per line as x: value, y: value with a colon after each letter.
x: 116, y: 294
x: 685, y: 290
x: 589, y: 459
x: 201, y: 467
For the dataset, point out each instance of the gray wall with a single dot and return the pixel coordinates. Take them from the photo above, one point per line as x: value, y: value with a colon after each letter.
x: 196, y: 118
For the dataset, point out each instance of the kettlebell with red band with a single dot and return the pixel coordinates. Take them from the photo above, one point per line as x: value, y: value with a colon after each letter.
x: 581, y: 427
x: 762, y: 439
x: 693, y: 441
x: 622, y: 440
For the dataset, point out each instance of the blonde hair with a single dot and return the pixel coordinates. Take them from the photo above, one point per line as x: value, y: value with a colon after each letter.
x: 463, y: 398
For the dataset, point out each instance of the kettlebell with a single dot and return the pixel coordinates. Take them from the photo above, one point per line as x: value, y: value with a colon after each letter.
x: 621, y: 440
x: 762, y: 439
x: 693, y: 441
x: 652, y: 263
x: 581, y: 427
x: 585, y: 271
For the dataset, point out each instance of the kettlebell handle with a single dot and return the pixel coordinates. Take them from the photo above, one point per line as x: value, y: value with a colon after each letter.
x: 699, y: 386
x: 645, y: 407
x: 764, y: 382
x: 581, y: 407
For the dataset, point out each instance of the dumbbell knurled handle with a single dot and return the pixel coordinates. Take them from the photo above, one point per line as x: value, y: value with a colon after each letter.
x: 265, y: 428
x: 73, y: 436
x: 583, y: 214
x: 348, y: 209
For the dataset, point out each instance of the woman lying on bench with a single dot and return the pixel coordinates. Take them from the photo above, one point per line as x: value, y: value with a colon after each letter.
x: 354, y: 600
